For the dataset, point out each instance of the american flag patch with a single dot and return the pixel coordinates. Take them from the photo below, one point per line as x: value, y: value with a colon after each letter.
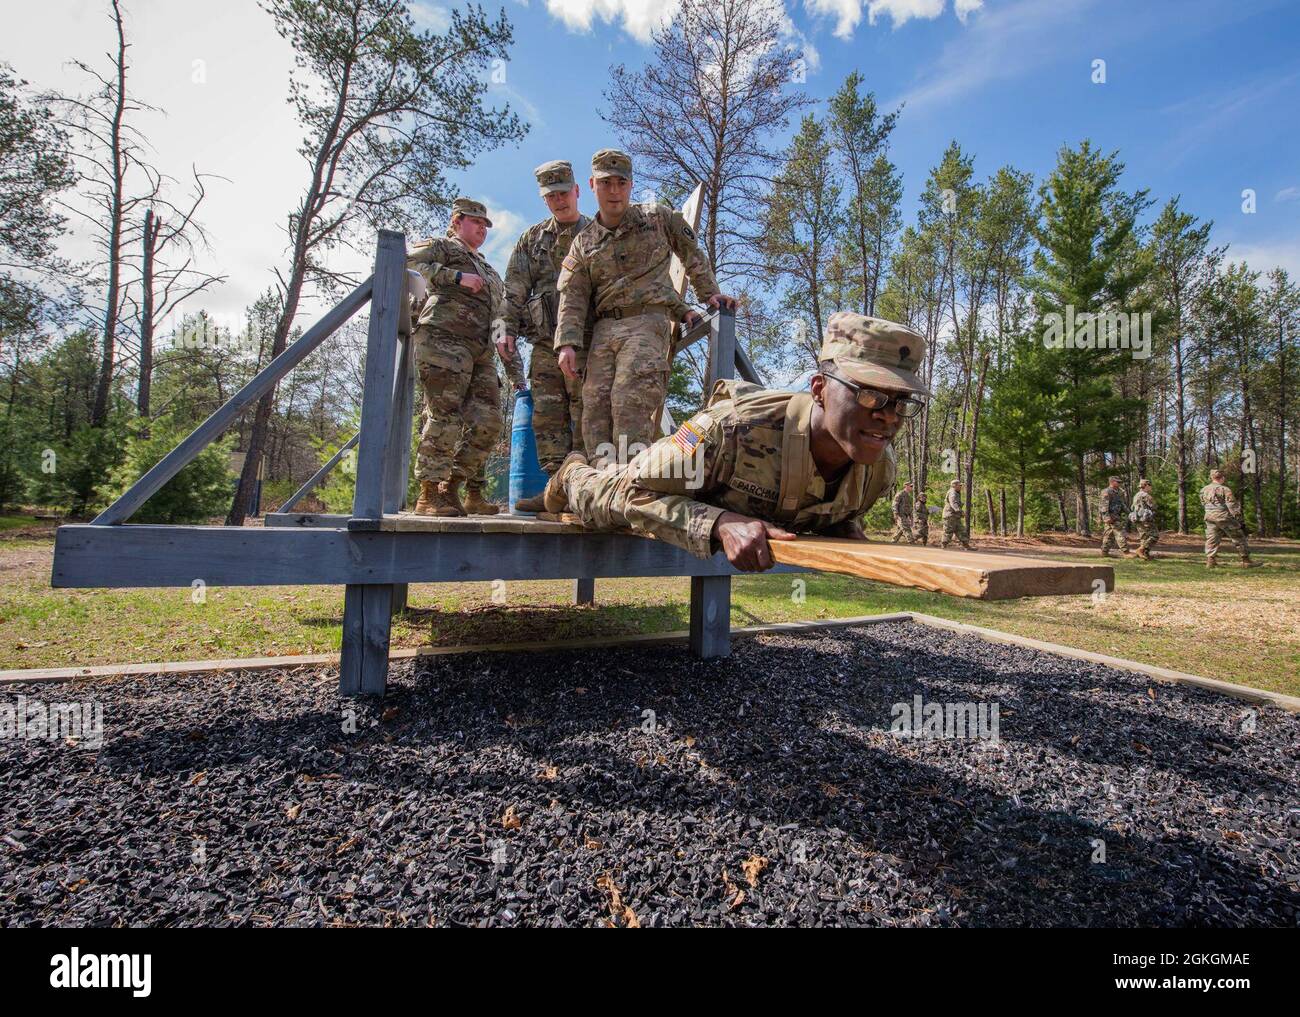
x: 686, y: 438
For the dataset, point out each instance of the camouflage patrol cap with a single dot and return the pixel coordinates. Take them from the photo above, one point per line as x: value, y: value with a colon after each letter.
x: 610, y: 162
x: 468, y: 206
x: 874, y: 351
x: 955, y: 483
x: 556, y: 175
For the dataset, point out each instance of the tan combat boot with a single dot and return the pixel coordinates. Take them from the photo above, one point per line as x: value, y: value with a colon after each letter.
x: 428, y: 498
x: 536, y: 503
x: 1144, y: 554
x: 1211, y: 562
x: 477, y: 505
x: 1246, y: 563
x: 554, y: 497
x: 446, y: 502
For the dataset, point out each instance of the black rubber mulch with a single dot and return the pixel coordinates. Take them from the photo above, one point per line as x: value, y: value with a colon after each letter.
x: 534, y: 789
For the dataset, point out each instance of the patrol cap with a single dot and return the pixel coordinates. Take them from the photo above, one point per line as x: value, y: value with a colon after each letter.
x: 610, y: 162
x: 955, y: 483
x: 468, y: 206
x: 874, y: 351
x: 1144, y: 482
x: 556, y: 175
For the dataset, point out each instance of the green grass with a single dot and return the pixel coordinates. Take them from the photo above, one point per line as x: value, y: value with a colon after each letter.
x: 1237, y: 625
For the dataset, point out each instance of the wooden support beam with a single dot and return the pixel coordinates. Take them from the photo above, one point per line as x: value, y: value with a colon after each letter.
x: 317, y: 477
x: 584, y: 592
x: 710, y: 633
x: 977, y: 574
x: 368, y: 608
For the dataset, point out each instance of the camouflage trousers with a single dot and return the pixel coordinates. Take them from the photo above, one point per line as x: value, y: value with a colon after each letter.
x: 462, y: 406
x: 954, y: 527
x: 1113, y: 535
x: 627, y: 378
x: 1148, y: 535
x: 1216, y: 530
x: 557, y: 406
x: 903, y: 529
x: 922, y: 531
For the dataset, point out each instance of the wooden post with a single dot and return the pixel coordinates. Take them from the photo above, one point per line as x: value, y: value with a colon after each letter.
x: 584, y: 592
x: 397, y: 470
x: 710, y: 633
x: 367, y: 609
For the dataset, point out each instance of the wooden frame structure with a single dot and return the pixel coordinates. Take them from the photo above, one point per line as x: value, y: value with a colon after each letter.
x: 374, y: 564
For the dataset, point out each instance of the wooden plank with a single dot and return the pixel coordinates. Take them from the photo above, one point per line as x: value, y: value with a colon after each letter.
x: 584, y: 592
x: 133, y: 556
x: 977, y: 574
x: 317, y: 519
x: 199, y: 439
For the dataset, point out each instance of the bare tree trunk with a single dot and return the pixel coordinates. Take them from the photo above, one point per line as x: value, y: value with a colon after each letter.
x: 1002, y: 504
x: 104, y: 385
x: 149, y: 240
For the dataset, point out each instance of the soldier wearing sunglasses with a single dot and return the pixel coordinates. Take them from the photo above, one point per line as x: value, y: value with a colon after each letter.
x: 756, y: 465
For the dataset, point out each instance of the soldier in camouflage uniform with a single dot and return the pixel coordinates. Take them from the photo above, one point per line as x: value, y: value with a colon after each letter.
x: 618, y: 271
x: 922, y: 530
x: 1222, y: 519
x: 532, y: 306
x: 954, y: 523
x: 756, y: 465
x: 1144, y: 518
x: 456, y: 364
x: 1113, y: 507
x: 902, y: 508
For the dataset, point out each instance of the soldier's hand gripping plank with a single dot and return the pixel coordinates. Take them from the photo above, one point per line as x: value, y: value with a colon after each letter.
x: 756, y: 465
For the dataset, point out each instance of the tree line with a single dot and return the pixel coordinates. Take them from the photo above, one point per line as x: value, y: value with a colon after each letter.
x: 1077, y: 326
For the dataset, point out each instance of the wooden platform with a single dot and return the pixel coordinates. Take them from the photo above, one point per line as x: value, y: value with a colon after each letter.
x: 976, y: 574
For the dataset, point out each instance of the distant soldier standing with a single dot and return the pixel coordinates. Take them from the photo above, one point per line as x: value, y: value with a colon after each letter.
x: 532, y: 310
x: 902, y: 507
x: 1113, y: 507
x: 1144, y: 518
x: 456, y: 364
x: 954, y: 525
x: 1222, y: 519
x: 618, y: 270
x: 922, y: 520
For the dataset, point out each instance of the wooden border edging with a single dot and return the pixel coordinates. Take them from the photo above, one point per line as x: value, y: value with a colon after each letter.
x: 1289, y: 703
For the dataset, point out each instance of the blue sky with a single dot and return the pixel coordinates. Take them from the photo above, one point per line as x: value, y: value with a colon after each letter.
x: 1200, y: 99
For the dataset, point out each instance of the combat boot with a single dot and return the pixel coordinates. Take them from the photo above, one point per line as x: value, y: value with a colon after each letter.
x: 446, y: 502
x: 476, y: 504
x: 554, y: 497
x: 1211, y: 562
x: 536, y: 503
x: 1246, y: 563
x: 428, y: 498
x: 1144, y: 554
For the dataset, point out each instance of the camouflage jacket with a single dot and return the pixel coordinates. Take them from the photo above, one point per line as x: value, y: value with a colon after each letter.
x: 1144, y: 507
x: 451, y: 308
x: 1220, y: 503
x: 952, y: 503
x: 902, y: 504
x: 747, y: 451
x: 629, y: 266
x: 1112, y: 504
x: 532, y: 298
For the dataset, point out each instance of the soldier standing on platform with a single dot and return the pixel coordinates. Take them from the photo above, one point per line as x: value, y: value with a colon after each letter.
x: 456, y: 364
x: 618, y: 271
x: 532, y: 309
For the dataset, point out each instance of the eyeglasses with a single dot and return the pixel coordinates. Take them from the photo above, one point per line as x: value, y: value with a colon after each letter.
x: 874, y: 399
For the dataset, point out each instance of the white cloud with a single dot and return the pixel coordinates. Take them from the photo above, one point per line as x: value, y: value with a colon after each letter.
x: 430, y: 17
x: 848, y: 13
x: 1268, y: 255
x: 1288, y: 194
x: 639, y: 17
x: 1002, y: 43
x: 506, y: 227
